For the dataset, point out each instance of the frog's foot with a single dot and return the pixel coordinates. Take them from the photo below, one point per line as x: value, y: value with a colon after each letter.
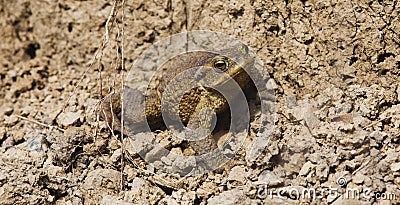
x: 200, y: 140
x: 208, y: 155
x: 198, y: 133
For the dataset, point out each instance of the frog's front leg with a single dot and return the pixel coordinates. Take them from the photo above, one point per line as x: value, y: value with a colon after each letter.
x: 199, y: 129
x: 199, y: 134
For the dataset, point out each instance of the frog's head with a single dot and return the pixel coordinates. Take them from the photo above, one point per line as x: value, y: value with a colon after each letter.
x: 226, y: 65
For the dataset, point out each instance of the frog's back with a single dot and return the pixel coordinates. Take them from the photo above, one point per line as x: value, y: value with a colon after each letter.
x: 185, y: 64
x: 170, y: 86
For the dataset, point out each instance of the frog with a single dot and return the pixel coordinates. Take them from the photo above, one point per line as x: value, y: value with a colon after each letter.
x: 168, y: 96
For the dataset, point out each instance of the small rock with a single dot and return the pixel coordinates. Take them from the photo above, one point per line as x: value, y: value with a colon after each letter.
x: 173, y: 154
x: 63, y: 146
x: 156, y: 153
x: 110, y: 200
x: 18, y: 137
x: 395, y: 167
x: 140, y: 143
x: 23, y: 84
x: 358, y: 178
x: 322, y: 170
x: 367, y: 181
x: 271, y: 84
x: 238, y: 174
x: 176, y: 151
x: 53, y: 78
x: 306, y: 112
x: 345, y: 127
x: 301, y: 143
x: 234, y: 196
x: 183, y: 163
x: 10, y: 121
x: 107, y: 178
x: 183, y: 196
x: 378, y: 136
x: 6, y: 110
x: 168, y: 200
x: 291, y: 101
x: 258, y: 146
x: 116, y: 156
x: 166, y: 160
x: 50, y: 198
x: 306, y: 168
x: 294, y: 164
x: 268, y: 177
x: 35, y: 144
x: 273, y: 148
x: 52, y: 114
x: 391, y: 155
x: 159, y: 165
x: 142, y: 192
x: 397, y: 181
x: 8, y: 142
x: 69, y: 118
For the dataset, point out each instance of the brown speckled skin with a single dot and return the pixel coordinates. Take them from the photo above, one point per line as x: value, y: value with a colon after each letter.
x: 193, y: 101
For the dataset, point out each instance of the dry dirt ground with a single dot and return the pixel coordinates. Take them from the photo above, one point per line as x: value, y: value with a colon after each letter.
x: 336, y: 71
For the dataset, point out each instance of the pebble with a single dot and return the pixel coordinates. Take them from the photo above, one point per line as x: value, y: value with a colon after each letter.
x: 140, y: 143
x: 142, y: 192
x: 271, y: 84
x: 183, y: 163
x: 116, y: 156
x: 391, y: 155
x: 184, y: 196
x: 268, y: 177
x: 69, y: 118
x: 358, y: 178
x: 102, y: 178
x: 238, y: 174
x: 395, y: 167
x: 6, y: 109
x: 110, y: 200
x: 168, y: 200
x: 155, y: 154
x: 378, y: 136
x: 10, y: 120
x: 232, y: 197
x: 307, y: 167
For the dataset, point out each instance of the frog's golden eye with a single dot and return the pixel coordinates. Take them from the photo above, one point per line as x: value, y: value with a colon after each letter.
x: 221, y: 64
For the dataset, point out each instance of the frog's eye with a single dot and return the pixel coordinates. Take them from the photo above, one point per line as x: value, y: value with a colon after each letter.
x: 221, y: 64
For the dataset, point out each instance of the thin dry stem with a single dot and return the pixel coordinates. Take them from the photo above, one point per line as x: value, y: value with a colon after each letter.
x: 40, y: 123
x: 122, y: 90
